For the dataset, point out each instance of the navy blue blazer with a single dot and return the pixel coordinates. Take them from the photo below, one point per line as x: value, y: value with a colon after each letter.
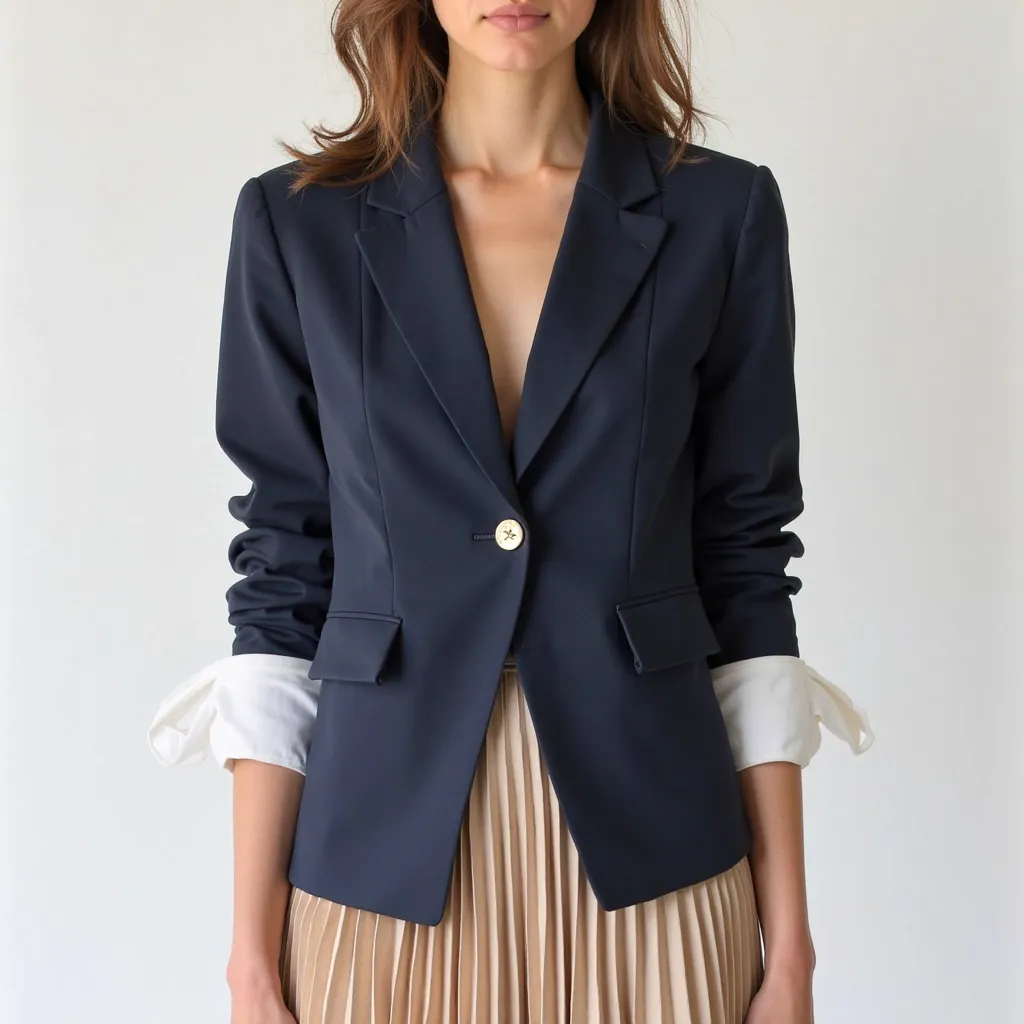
x: 641, y: 507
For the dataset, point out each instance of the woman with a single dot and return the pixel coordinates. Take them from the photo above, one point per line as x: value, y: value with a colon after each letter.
x: 515, y: 711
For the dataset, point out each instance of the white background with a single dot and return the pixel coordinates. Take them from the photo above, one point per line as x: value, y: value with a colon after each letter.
x: 894, y: 130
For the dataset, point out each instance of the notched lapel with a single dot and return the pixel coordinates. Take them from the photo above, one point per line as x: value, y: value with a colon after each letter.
x: 417, y: 266
x: 604, y: 255
x: 606, y: 250
x: 415, y: 258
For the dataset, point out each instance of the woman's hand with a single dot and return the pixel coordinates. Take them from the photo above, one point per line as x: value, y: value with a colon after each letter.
x: 783, y: 998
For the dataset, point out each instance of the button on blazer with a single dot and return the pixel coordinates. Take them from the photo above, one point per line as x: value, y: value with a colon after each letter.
x: 630, y: 539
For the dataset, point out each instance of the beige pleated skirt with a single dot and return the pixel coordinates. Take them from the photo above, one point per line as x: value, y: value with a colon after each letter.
x: 523, y: 939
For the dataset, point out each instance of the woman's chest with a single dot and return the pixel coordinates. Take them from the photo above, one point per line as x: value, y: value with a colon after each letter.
x: 509, y: 234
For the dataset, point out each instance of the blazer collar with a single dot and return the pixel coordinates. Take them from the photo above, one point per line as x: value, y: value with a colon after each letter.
x: 616, y: 163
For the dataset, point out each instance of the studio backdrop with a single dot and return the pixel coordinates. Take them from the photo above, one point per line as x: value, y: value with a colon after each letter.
x: 894, y: 131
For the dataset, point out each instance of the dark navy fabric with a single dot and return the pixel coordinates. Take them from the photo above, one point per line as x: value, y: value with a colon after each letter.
x: 653, y: 469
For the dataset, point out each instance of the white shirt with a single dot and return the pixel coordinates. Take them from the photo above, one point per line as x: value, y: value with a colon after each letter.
x: 262, y: 706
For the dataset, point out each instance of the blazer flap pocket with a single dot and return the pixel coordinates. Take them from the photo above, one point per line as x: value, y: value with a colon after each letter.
x: 668, y: 628
x: 354, y: 646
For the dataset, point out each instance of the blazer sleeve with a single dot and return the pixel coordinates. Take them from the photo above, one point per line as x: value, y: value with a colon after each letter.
x: 267, y: 424
x: 748, y: 491
x: 260, y: 703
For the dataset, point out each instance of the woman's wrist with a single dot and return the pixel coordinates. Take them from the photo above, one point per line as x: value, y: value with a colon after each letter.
x: 793, y: 957
x: 256, y: 943
x: 253, y: 970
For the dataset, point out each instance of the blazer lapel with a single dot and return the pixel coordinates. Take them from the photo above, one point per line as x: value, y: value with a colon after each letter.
x: 417, y: 264
x: 418, y: 267
x: 605, y: 252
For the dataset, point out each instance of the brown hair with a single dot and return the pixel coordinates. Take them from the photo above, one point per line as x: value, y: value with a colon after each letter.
x: 397, y: 54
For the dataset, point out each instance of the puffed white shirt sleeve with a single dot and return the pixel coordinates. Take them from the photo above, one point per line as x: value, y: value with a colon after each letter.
x: 774, y: 707
x: 258, y: 706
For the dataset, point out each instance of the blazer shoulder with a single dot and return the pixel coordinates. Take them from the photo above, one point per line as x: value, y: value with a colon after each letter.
x: 721, y: 182
x: 287, y: 206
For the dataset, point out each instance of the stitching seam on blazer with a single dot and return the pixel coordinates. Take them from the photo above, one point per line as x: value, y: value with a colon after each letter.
x: 308, y: 367
x: 643, y: 410
x: 732, y: 262
x: 277, y: 250
x: 364, y: 334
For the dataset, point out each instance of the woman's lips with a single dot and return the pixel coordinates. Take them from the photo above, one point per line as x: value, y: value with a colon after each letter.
x: 516, y: 17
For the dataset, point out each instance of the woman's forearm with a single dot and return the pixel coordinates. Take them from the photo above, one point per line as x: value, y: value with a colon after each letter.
x: 266, y: 802
x: 773, y: 796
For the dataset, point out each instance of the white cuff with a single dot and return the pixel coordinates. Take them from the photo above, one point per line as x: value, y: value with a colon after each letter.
x: 774, y: 706
x: 258, y: 706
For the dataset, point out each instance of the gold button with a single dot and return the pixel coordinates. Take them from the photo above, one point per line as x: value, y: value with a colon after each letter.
x: 508, y: 534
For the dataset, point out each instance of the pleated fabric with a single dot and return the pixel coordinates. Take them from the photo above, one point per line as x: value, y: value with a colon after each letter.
x: 523, y: 939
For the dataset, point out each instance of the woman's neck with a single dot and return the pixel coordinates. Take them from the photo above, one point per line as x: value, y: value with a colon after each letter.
x: 510, y: 124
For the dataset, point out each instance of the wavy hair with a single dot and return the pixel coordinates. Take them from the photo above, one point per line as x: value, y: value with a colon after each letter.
x: 396, y: 52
